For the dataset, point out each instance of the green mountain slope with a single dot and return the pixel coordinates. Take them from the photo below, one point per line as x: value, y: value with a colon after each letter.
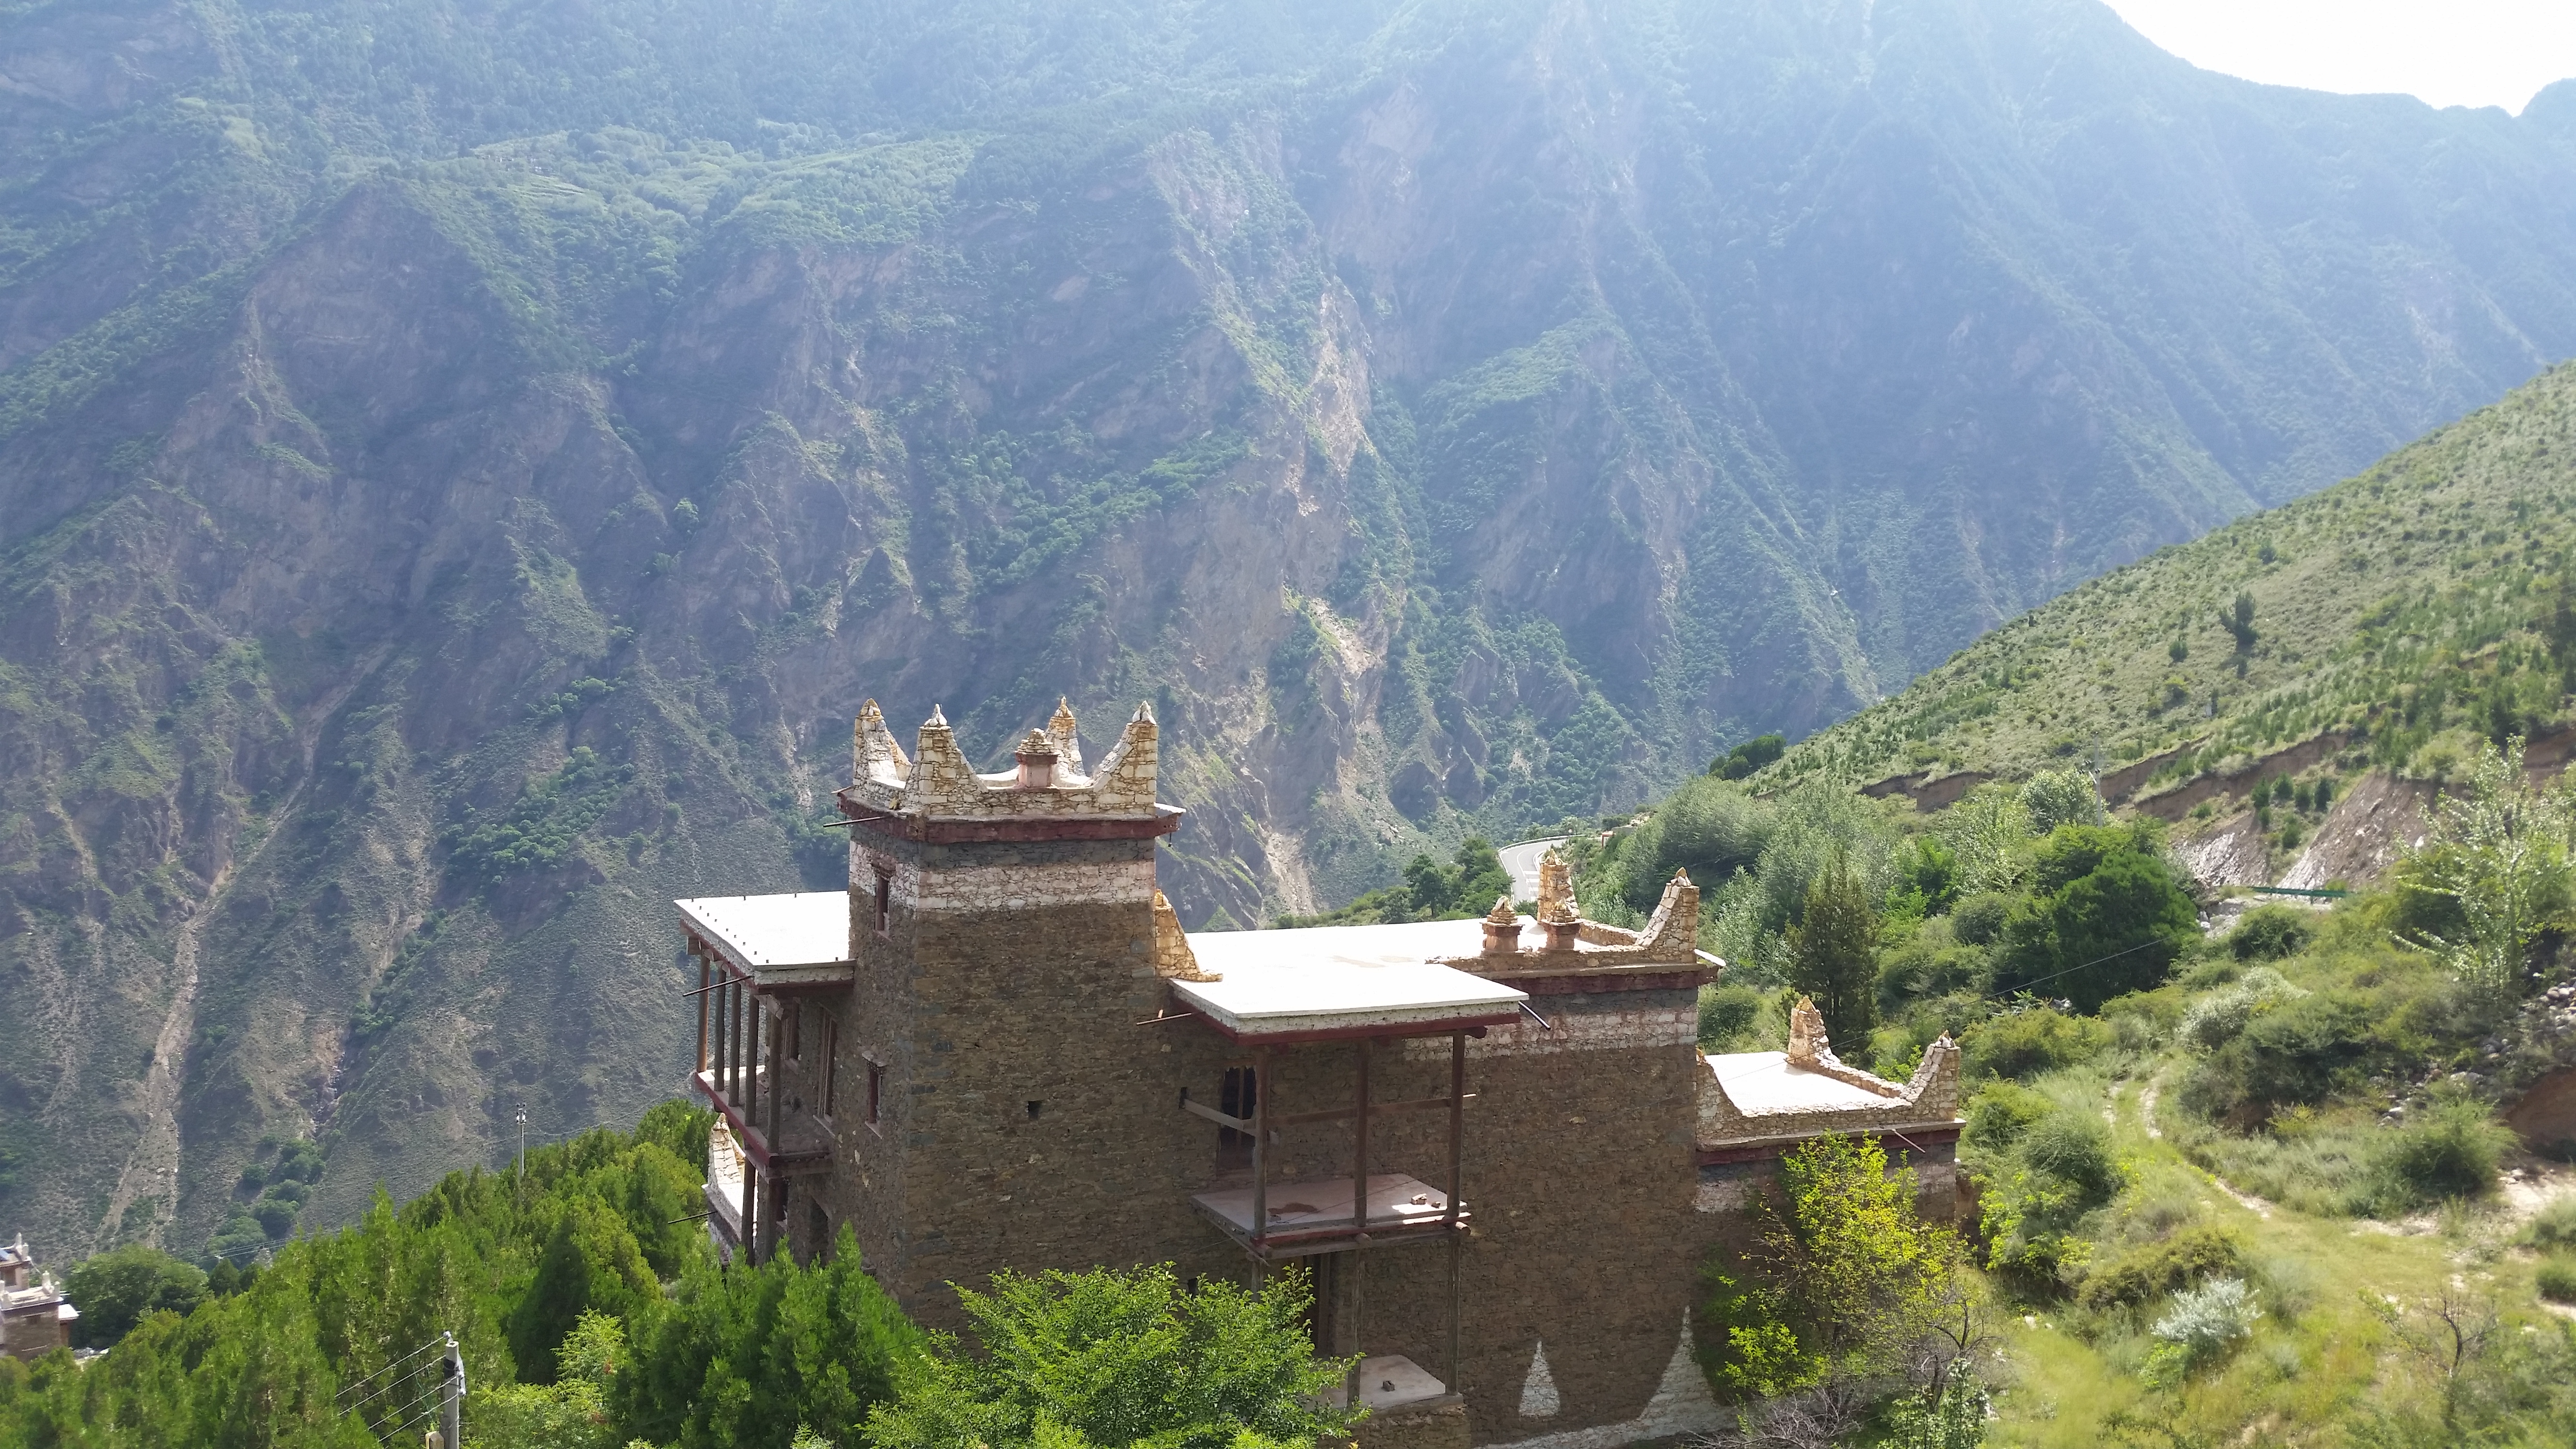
x: 2429, y: 593
x: 462, y: 466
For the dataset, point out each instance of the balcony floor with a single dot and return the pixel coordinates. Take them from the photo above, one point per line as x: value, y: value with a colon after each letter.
x: 1315, y: 1217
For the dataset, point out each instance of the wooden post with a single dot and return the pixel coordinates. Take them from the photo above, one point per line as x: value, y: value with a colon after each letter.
x: 750, y: 1211
x: 1457, y: 1162
x: 705, y: 978
x: 722, y: 1080
x: 1357, y: 1259
x: 1260, y: 1156
x: 1360, y: 1142
x: 777, y: 1054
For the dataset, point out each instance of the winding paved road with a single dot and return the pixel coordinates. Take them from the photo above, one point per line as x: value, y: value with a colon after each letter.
x: 1522, y: 861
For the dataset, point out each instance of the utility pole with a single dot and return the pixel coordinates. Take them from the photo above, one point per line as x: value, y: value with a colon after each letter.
x: 451, y: 1409
x: 520, y: 1116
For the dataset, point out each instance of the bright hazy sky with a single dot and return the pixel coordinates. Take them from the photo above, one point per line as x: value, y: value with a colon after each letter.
x: 2448, y: 52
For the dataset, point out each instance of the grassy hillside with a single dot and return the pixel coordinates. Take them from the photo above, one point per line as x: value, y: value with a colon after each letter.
x: 2428, y: 595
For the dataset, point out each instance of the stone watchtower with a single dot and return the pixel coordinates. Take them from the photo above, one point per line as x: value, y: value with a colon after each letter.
x: 1493, y: 1142
x: 1002, y: 934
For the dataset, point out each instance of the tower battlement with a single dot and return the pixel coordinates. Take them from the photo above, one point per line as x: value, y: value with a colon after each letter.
x: 936, y: 784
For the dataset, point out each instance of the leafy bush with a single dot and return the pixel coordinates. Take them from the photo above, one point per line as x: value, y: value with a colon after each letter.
x: 2299, y: 1051
x: 1748, y: 757
x: 1708, y: 827
x: 2554, y: 1226
x: 1727, y: 1013
x: 1929, y: 963
x: 2271, y: 933
x: 2556, y: 1280
x: 2159, y: 1268
x: 1842, y: 1282
x: 2450, y: 1151
x: 1927, y: 878
x: 114, y: 1289
x: 2111, y: 919
x: 2001, y: 1112
x: 2061, y: 797
x: 1109, y: 1358
x: 1979, y: 919
x: 2031, y: 1041
x: 2037, y: 1194
x: 2204, y: 1323
x: 2215, y: 1020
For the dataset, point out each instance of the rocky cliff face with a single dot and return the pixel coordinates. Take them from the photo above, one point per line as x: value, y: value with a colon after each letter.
x: 445, y: 519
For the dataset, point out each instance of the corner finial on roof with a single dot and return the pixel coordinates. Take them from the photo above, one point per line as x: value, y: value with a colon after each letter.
x: 1502, y: 928
x: 1808, y: 1044
x: 937, y: 720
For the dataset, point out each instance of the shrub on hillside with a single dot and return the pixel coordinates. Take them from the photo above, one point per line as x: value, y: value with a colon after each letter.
x: 2156, y: 1269
x: 2216, y: 1019
x: 2061, y: 797
x: 2556, y: 1280
x: 2271, y: 933
x: 2298, y: 1051
x: 2037, y: 1193
x: 2203, y: 1324
x: 1979, y: 920
x: 2554, y: 1226
x: 1727, y: 1013
x: 2000, y: 1113
x: 2031, y: 1041
x: 1930, y: 963
x: 2450, y: 1151
x: 1709, y: 827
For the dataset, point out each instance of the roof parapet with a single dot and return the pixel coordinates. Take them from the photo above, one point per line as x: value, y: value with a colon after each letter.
x: 874, y: 755
x: 937, y: 782
x: 1173, y: 958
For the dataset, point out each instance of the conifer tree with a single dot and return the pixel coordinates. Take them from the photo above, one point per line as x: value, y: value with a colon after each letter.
x: 1833, y: 954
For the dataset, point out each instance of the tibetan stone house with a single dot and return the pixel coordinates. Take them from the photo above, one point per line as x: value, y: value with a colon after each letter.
x: 1493, y: 1141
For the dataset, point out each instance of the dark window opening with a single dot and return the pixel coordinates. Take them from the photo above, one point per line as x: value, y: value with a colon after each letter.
x: 1034, y: 1109
x: 831, y: 1061
x: 876, y: 1089
x: 1237, y: 1098
x: 885, y: 900
x: 820, y: 1224
x: 796, y: 1032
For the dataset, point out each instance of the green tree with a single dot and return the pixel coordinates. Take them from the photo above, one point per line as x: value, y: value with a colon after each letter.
x: 1066, y: 1360
x: 1985, y: 832
x: 1845, y: 1293
x: 2498, y: 852
x: 2110, y: 920
x: 1833, y: 954
x: 745, y: 1355
x: 1748, y: 757
x: 2061, y: 797
x: 591, y: 1264
x: 114, y: 1289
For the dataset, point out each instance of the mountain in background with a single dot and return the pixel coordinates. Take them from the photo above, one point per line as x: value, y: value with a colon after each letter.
x: 462, y: 465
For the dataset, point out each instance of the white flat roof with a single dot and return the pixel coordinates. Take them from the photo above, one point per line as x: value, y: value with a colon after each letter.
x: 1334, y: 978
x: 1762, y: 1082
x: 807, y: 928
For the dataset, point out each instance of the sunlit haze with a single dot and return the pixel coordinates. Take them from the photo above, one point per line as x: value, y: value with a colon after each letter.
x: 2447, y: 52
